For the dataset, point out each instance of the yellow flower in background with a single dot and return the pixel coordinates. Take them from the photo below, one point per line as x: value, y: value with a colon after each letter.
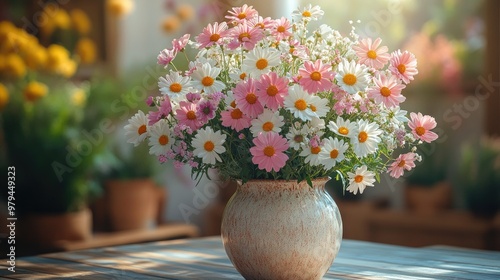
x: 4, y: 96
x: 185, y: 12
x: 14, y: 66
x: 119, y: 7
x: 78, y: 97
x: 55, y: 17
x: 62, y: 19
x: 59, y: 61
x: 34, y: 91
x: 36, y: 58
x: 80, y: 21
x: 171, y: 24
x: 85, y: 48
x: 6, y: 28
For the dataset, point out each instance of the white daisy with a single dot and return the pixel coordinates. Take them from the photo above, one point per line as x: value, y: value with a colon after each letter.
x: 137, y: 128
x: 204, y: 78
x: 360, y: 179
x: 316, y: 126
x: 319, y: 106
x: 308, y: 12
x: 266, y: 122
x: 312, y: 155
x: 260, y: 60
x: 297, y: 137
x: 342, y: 127
x: 208, y: 145
x: 332, y: 152
x: 298, y: 102
x: 352, y: 77
x: 175, y: 85
x: 366, y: 140
x: 160, y: 138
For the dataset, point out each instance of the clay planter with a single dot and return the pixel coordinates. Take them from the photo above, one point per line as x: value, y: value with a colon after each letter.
x: 281, y: 230
x: 133, y: 204
x: 428, y: 199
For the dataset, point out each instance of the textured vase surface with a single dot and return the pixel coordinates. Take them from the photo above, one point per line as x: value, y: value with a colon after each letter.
x: 277, y: 229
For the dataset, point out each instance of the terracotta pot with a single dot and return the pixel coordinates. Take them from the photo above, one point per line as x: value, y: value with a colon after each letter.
x: 275, y: 229
x: 428, y: 199
x: 132, y: 204
x: 46, y: 230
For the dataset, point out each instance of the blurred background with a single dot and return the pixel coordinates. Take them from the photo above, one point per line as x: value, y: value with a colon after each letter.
x: 72, y: 72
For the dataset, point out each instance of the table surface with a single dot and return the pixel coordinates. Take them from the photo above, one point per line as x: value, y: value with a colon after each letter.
x: 205, y: 258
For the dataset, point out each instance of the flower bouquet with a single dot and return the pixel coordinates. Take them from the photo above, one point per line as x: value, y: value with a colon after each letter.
x: 270, y: 99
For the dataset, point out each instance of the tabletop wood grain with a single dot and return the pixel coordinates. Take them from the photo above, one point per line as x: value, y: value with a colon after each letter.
x: 205, y: 258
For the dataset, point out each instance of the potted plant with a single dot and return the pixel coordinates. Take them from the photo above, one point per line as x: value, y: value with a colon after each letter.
x: 479, y: 177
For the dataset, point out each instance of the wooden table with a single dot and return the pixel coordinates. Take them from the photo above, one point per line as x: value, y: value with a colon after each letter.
x: 205, y: 258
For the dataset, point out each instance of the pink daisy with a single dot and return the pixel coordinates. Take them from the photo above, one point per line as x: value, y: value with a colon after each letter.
x: 235, y: 119
x: 245, y: 36
x: 280, y: 29
x: 271, y: 90
x: 163, y: 110
x: 315, y: 76
x: 179, y: 44
x: 247, y: 99
x: 166, y: 56
x: 387, y: 91
x: 372, y: 54
x: 268, y: 152
x: 421, y: 126
x: 403, y: 65
x: 242, y: 14
x: 212, y: 34
x: 404, y: 161
x: 260, y: 22
x: 187, y: 115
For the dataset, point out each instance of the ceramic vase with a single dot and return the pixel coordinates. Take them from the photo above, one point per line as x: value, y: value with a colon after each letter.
x: 277, y: 229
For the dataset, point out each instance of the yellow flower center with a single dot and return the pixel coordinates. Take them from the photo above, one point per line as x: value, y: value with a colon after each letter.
x: 243, y: 36
x: 261, y: 63
x: 281, y: 29
x: 401, y: 68
x: 298, y: 138
x: 267, y: 126
x: 175, y: 87
x: 233, y: 104
x: 191, y: 115
x: 272, y: 90
x: 371, y: 54
x: 209, y: 146
x: 142, y: 129
x: 207, y: 81
x: 242, y: 15
x: 385, y: 91
x: 401, y: 163
x: 236, y: 114
x: 315, y: 150
x: 306, y: 14
x: 163, y: 140
x: 243, y: 76
x: 358, y: 179
x: 315, y: 76
x: 362, y: 137
x: 214, y: 37
x: 301, y: 104
x: 251, y: 98
x: 420, y: 131
x: 334, y: 154
x: 349, y: 79
x: 313, y: 108
x: 269, y: 151
x: 343, y: 130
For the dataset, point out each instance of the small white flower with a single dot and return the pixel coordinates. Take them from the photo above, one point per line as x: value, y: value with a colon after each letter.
x: 298, y: 102
x: 297, y: 137
x: 352, y: 77
x: 266, y: 122
x: 319, y: 106
x: 366, y: 140
x: 308, y: 12
x: 208, y: 145
x: 260, y: 60
x: 360, y: 179
x: 137, y: 128
x: 311, y: 155
x: 342, y: 127
x: 160, y: 138
x: 204, y: 78
x: 332, y: 152
x: 175, y: 85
